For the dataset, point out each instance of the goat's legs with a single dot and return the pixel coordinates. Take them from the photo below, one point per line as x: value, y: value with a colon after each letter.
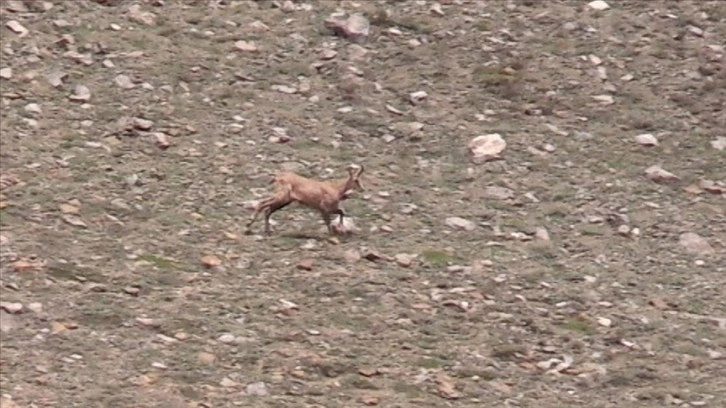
x: 327, y: 218
x: 271, y: 209
x: 257, y: 212
x: 327, y: 221
x: 261, y: 206
x: 341, y: 213
x: 269, y: 206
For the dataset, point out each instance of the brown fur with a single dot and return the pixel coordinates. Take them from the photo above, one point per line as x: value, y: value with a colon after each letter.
x: 324, y: 196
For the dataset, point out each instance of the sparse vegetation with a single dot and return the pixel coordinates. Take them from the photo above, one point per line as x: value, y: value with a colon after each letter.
x: 560, y: 273
x: 436, y: 258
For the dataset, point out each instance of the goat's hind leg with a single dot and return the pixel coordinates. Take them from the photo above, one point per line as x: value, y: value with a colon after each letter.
x: 257, y: 212
x: 280, y: 200
x: 262, y: 205
x: 271, y: 209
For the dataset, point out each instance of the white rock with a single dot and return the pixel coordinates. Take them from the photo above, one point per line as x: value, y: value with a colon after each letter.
x: 327, y: 54
x: 719, y: 143
x: 487, y: 147
x: 602, y: 73
x: 227, y: 338
x: 570, y: 26
x: 6, y: 73
x: 404, y: 260
x: 60, y: 23
x: 288, y: 304
x: 418, y: 97
x: 697, y: 31
x: 11, y: 307
x: 413, y: 130
x: 257, y: 389
x: 460, y: 223
x: 347, y: 228
x: 356, y: 27
x: 659, y: 175
x: 228, y: 383
x: 8, y: 323
x: 695, y: 244
x: 258, y: 25
x: 356, y: 52
x: 16, y: 6
x: 646, y: 139
x: 284, y: 89
x: 35, y: 307
x: 542, y: 234
x: 605, y: 99
x: 498, y: 193
x: 55, y: 78
x: 80, y: 93
x: 124, y: 82
x: 598, y: 5
x: 17, y: 28
x: 33, y: 108
x: 142, y: 124
x: 436, y: 9
x: 288, y: 6
x: 245, y: 46
x: 143, y: 17
x: 712, y: 187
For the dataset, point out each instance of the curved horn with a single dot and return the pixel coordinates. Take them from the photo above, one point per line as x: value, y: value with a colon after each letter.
x: 360, y: 171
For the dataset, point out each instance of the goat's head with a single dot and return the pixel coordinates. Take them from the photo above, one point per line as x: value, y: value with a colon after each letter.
x: 353, y: 183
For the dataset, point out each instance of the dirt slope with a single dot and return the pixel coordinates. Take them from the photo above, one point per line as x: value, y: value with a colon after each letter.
x: 136, y: 135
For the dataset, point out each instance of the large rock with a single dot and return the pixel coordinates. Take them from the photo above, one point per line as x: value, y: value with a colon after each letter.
x: 487, y: 147
x: 355, y: 27
x: 695, y: 244
x: 460, y: 223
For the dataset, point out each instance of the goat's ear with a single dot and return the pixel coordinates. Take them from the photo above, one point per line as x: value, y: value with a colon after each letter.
x: 350, y: 171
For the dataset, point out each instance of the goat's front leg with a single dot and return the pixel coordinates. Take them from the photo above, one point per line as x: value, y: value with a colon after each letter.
x: 341, y: 213
x: 328, y: 222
